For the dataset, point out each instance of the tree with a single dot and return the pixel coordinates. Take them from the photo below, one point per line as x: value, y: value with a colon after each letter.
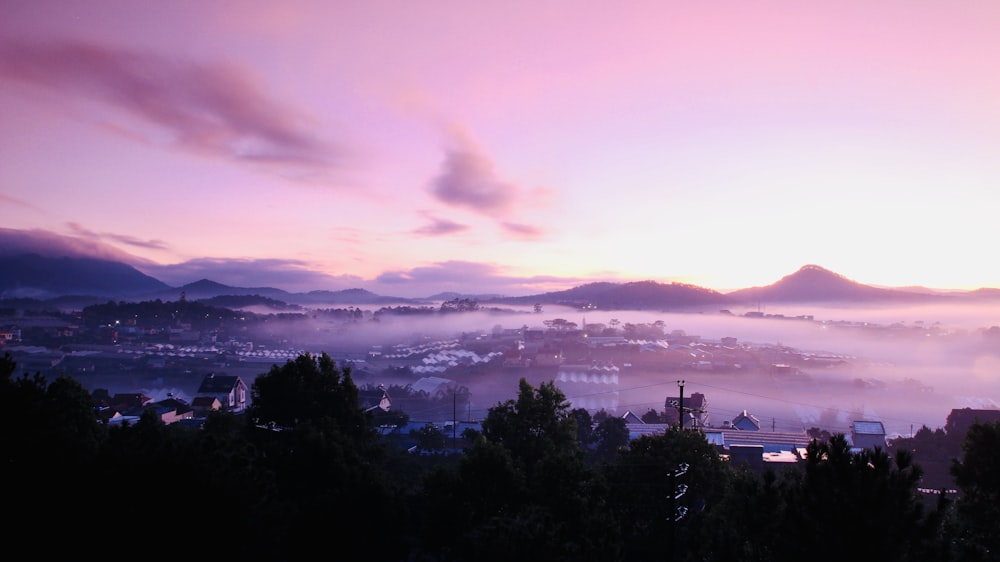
x: 651, y: 416
x: 309, y: 427
x: 308, y: 389
x: 522, y: 490
x: 643, y: 486
x: 612, y: 437
x: 429, y: 438
x: 977, y: 475
x: 584, y: 427
x: 49, y: 441
x: 534, y: 426
x: 865, y: 495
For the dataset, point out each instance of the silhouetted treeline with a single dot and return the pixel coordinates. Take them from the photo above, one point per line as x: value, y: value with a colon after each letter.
x: 304, y: 474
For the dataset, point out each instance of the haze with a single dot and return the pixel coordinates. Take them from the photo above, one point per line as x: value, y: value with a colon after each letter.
x: 907, y: 368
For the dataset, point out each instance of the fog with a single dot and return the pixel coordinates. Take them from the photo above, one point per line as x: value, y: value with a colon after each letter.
x: 906, y: 367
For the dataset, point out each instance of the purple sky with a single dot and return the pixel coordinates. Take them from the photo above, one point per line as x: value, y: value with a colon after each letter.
x: 512, y: 147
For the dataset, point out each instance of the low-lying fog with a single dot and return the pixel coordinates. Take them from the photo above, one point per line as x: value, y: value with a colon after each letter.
x: 907, y: 367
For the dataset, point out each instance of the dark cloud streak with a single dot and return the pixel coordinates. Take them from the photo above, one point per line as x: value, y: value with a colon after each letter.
x: 439, y: 227
x: 120, y: 238
x: 213, y: 109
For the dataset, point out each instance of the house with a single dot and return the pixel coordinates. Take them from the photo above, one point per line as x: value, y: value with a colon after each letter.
x: 746, y: 454
x: 755, y: 449
x: 746, y: 422
x: 372, y: 399
x: 630, y: 417
x: 123, y: 402
x: 169, y: 413
x: 202, y: 405
x: 868, y: 435
x: 960, y: 420
x: 695, y: 410
x: 230, y: 390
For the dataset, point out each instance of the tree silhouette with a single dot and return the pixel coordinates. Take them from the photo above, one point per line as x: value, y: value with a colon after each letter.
x: 977, y: 475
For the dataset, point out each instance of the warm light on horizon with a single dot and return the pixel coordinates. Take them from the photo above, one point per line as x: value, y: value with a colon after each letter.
x: 721, y: 146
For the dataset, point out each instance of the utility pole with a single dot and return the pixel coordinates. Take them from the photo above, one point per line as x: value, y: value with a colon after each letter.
x: 680, y: 406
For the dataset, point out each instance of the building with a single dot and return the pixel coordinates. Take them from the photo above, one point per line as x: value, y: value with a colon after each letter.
x: 746, y: 422
x: 695, y: 410
x: 960, y: 420
x: 230, y: 390
x: 868, y: 435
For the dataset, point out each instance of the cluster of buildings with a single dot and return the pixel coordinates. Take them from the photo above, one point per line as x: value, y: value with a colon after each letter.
x: 217, y: 392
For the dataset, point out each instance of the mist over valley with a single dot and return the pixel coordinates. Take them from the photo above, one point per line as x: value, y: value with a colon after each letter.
x: 814, y: 349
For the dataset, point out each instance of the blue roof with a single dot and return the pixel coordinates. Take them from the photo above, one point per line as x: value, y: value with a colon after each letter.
x: 869, y: 428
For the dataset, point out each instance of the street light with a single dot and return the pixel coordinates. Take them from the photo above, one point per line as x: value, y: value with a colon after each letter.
x: 677, y: 512
x: 681, y: 512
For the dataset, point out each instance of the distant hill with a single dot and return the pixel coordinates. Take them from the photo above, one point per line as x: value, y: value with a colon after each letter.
x: 814, y: 284
x: 347, y: 296
x: 73, y: 282
x: 35, y: 276
x: 638, y: 295
x: 207, y: 289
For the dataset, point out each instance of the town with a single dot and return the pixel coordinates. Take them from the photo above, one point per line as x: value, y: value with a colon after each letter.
x: 187, y: 357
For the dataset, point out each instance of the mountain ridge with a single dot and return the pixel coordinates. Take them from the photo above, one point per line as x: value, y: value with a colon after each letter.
x: 90, y: 279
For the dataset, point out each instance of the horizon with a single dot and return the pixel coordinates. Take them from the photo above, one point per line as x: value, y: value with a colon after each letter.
x: 509, y: 147
x: 47, y: 245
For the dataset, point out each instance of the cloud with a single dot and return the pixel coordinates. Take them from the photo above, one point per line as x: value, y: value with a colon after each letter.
x: 120, y: 238
x: 522, y: 230
x: 215, y: 109
x: 7, y: 199
x: 50, y: 244
x: 289, y: 275
x: 439, y: 227
x: 468, y: 180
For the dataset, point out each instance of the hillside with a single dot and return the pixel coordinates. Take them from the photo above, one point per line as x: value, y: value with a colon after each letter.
x: 639, y: 295
x: 50, y: 279
x: 814, y: 284
x: 35, y: 276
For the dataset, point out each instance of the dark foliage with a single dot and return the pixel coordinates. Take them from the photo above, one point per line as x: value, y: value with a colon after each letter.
x: 304, y: 473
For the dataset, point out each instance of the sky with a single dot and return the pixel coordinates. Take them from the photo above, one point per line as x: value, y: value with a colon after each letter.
x: 505, y: 147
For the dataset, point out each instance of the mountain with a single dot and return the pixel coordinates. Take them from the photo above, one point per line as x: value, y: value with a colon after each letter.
x: 348, y: 296
x: 35, y: 276
x: 79, y: 281
x: 814, y: 284
x: 206, y: 289
x: 637, y: 295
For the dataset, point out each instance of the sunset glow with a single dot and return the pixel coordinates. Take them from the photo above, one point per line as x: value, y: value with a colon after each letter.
x: 509, y: 147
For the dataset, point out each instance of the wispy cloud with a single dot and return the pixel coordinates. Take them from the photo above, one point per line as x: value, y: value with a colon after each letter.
x: 468, y: 180
x: 440, y: 227
x: 15, y: 201
x: 216, y: 109
x: 523, y: 230
x: 82, y: 232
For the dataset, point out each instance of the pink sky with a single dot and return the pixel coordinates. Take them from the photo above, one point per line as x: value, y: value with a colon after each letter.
x: 513, y: 147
